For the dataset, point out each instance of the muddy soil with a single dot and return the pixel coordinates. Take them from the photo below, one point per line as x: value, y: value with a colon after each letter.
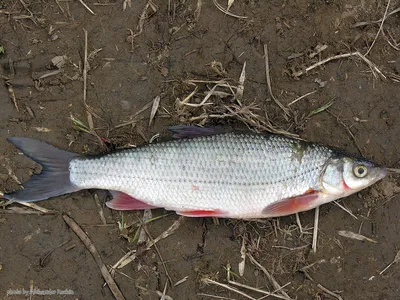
x: 131, y: 61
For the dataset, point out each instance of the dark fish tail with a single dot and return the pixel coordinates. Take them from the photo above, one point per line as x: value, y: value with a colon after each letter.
x: 54, y: 178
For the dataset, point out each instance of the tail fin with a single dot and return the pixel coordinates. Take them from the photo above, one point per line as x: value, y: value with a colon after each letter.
x: 54, y: 178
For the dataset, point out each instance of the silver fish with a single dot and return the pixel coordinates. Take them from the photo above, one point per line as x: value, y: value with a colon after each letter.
x: 231, y: 175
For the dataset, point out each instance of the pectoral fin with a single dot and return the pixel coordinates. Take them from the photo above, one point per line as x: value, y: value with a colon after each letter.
x: 292, y: 205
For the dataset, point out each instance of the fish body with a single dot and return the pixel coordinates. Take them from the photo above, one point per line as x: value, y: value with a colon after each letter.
x: 231, y: 175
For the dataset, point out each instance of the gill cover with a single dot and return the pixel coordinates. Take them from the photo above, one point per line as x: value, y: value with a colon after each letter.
x: 332, y: 177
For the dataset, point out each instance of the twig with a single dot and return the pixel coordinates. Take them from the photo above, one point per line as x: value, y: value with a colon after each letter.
x: 198, y: 10
x: 37, y: 207
x: 301, y: 97
x: 12, y: 94
x: 59, y: 6
x: 142, y: 18
x: 21, y: 211
x: 267, y: 294
x: 225, y: 11
x: 32, y: 17
x: 210, y: 281
x: 285, y: 110
x: 133, y: 118
x: 345, y: 209
x: 230, y: 3
x: 181, y: 281
x: 315, y: 231
x: 305, y: 268
x: 89, y: 111
x: 147, y: 215
x: 242, y: 264
x: 240, y: 87
x: 392, y: 43
x: 87, y: 7
x: 299, y: 222
x: 358, y: 24
x: 373, y: 67
x: 203, y: 102
x: 156, y: 103
x: 132, y: 254
x: 380, y: 29
x: 171, y: 229
x: 395, y: 261
x: 355, y: 236
x: 291, y: 249
x: 164, y: 293
x: 89, y: 245
x: 347, y: 129
x: 101, y: 212
x: 6, y: 12
x: 85, y: 67
x: 158, y: 251
x: 271, y: 278
x: 214, y: 296
x: 397, y: 171
x: 329, y: 292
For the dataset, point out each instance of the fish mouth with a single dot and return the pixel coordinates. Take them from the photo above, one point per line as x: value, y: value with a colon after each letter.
x: 381, y: 173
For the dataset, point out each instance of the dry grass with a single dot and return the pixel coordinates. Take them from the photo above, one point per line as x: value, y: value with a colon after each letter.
x: 92, y: 249
x: 223, y: 99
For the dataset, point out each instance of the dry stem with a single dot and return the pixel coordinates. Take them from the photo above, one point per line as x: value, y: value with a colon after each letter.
x: 271, y: 278
x: 380, y: 29
x: 373, y: 67
x: 315, y: 231
x: 210, y: 281
x: 285, y: 109
x: 92, y: 249
x: 226, y: 11
x: 87, y: 7
x: 377, y: 21
x: 329, y: 292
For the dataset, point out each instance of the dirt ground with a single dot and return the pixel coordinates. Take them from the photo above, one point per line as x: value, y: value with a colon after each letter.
x: 140, y: 50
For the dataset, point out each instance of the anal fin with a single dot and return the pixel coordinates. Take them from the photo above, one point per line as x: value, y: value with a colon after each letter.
x: 201, y: 213
x: 122, y: 201
x: 292, y: 205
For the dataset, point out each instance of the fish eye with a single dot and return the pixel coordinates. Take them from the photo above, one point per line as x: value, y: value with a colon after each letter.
x: 360, y: 171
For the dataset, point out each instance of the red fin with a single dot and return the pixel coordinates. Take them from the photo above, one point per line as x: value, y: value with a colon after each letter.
x: 122, y: 201
x: 201, y: 213
x: 292, y: 205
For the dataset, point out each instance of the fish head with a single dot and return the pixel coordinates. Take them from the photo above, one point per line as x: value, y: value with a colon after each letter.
x: 344, y: 176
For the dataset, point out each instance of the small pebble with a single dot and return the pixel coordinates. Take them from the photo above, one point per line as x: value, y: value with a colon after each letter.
x: 384, y: 114
x: 54, y: 37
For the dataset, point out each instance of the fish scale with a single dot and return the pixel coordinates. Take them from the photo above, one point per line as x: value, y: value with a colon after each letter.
x: 239, y: 174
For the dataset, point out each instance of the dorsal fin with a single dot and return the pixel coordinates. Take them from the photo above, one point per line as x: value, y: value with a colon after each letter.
x: 188, y: 131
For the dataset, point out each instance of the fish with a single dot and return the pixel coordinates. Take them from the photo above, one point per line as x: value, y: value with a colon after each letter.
x: 204, y: 173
